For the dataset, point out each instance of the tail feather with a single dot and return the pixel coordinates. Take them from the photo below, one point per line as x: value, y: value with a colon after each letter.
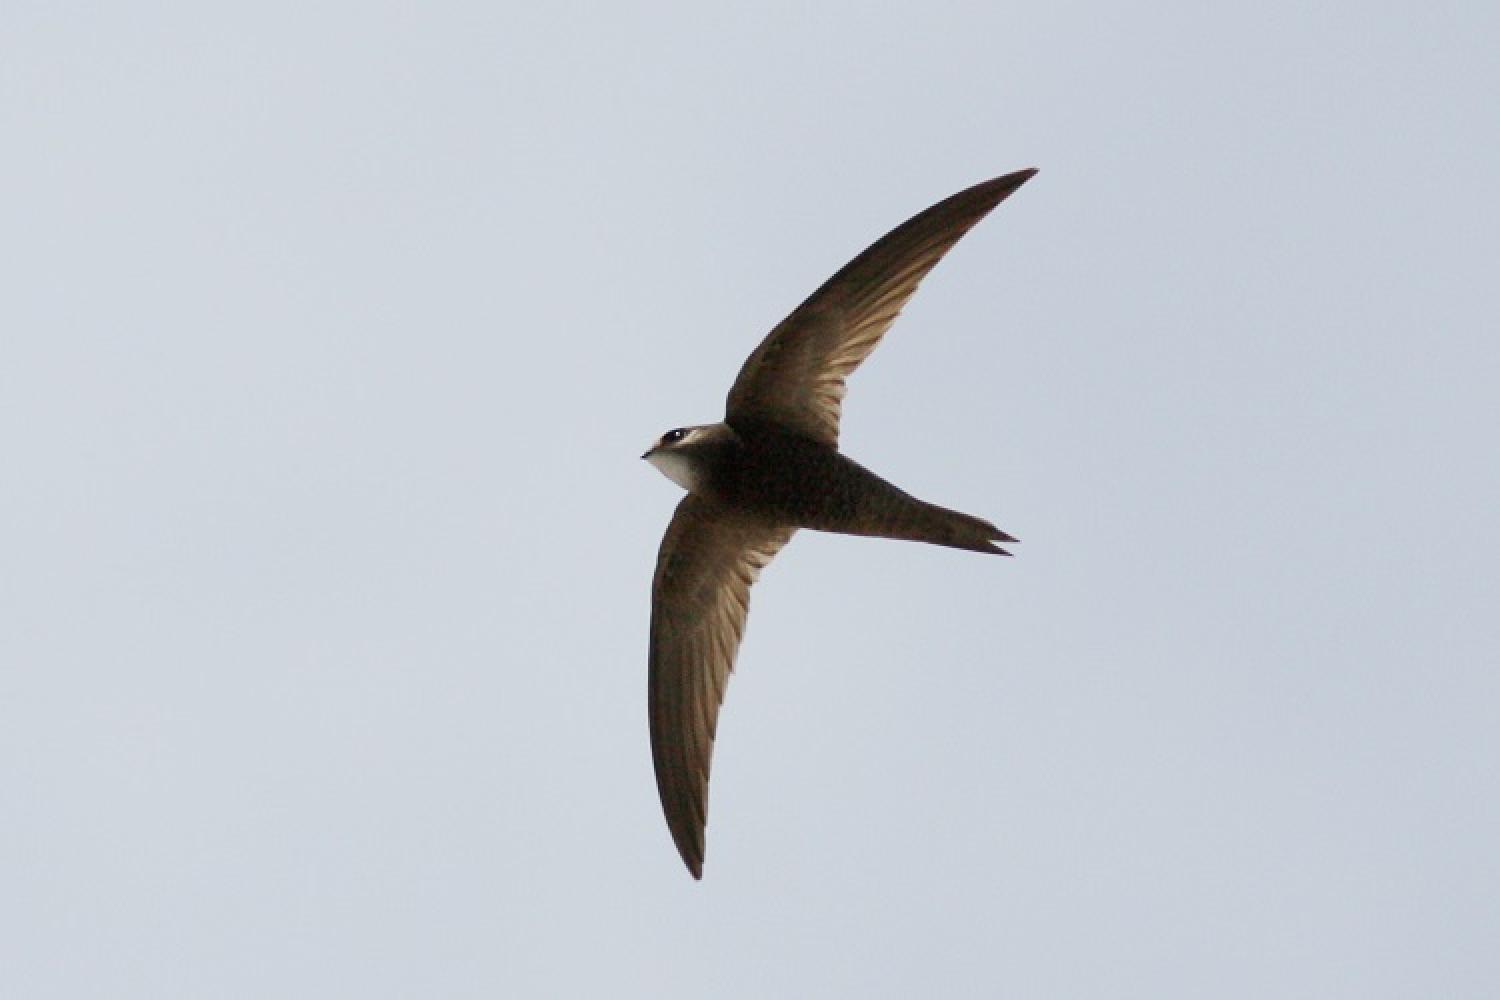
x: 858, y: 502
x: 895, y: 514
x: 926, y: 522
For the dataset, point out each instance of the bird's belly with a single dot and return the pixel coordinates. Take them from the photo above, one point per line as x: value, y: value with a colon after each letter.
x: 808, y: 489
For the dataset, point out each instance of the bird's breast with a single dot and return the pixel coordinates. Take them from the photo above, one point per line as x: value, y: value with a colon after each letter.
x: 797, y: 481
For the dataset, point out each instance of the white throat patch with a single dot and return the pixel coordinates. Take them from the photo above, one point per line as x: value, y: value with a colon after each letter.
x: 676, y: 466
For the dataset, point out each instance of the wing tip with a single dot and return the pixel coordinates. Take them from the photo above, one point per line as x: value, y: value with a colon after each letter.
x: 1006, y: 184
x: 692, y: 858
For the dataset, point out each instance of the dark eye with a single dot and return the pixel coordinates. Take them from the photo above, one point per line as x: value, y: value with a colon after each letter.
x: 672, y: 437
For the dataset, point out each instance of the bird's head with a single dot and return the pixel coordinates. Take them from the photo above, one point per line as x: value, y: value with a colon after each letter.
x: 683, y: 454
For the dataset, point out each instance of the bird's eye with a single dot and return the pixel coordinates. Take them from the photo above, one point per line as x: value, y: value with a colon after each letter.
x: 672, y: 437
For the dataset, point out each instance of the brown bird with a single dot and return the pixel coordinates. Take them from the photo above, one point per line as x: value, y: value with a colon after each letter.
x: 773, y: 466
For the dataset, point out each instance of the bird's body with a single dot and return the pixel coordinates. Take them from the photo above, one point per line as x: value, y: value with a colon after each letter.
x: 771, y: 467
x: 760, y: 470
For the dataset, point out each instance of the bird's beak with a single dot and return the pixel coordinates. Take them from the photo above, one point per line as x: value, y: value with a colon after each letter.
x: 649, y: 452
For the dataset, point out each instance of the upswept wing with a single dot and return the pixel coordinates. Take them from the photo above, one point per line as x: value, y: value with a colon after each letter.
x: 796, y: 376
x: 699, y: 600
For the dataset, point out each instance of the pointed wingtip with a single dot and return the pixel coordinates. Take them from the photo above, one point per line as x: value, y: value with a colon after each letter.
x: 1015, y: 179
x: 691, y: 850
x: 995, y: 190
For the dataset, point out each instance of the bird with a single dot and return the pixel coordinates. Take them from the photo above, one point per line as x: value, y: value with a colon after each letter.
x: 770, y: 467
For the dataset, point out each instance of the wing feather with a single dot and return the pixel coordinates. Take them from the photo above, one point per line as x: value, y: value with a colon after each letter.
x: 700, y: 598
x: 796, y: 376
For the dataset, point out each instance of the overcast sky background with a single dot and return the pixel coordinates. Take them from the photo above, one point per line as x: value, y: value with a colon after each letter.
x: 330, y: 337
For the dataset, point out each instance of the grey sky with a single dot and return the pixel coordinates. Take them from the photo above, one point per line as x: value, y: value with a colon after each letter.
x: 329, y: 341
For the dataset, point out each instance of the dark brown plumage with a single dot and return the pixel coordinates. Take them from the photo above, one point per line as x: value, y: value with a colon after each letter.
x: 770, y: 468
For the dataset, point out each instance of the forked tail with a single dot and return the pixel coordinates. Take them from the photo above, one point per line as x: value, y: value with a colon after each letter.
x: 886, y: 511
x: 858, y: 502
x: 924, y: 522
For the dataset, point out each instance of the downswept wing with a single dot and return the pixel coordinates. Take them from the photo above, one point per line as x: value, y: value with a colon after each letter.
x: 699, y: 600
x: 796, y: 376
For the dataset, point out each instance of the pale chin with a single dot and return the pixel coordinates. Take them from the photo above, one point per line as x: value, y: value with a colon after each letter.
x: 675, y: 467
